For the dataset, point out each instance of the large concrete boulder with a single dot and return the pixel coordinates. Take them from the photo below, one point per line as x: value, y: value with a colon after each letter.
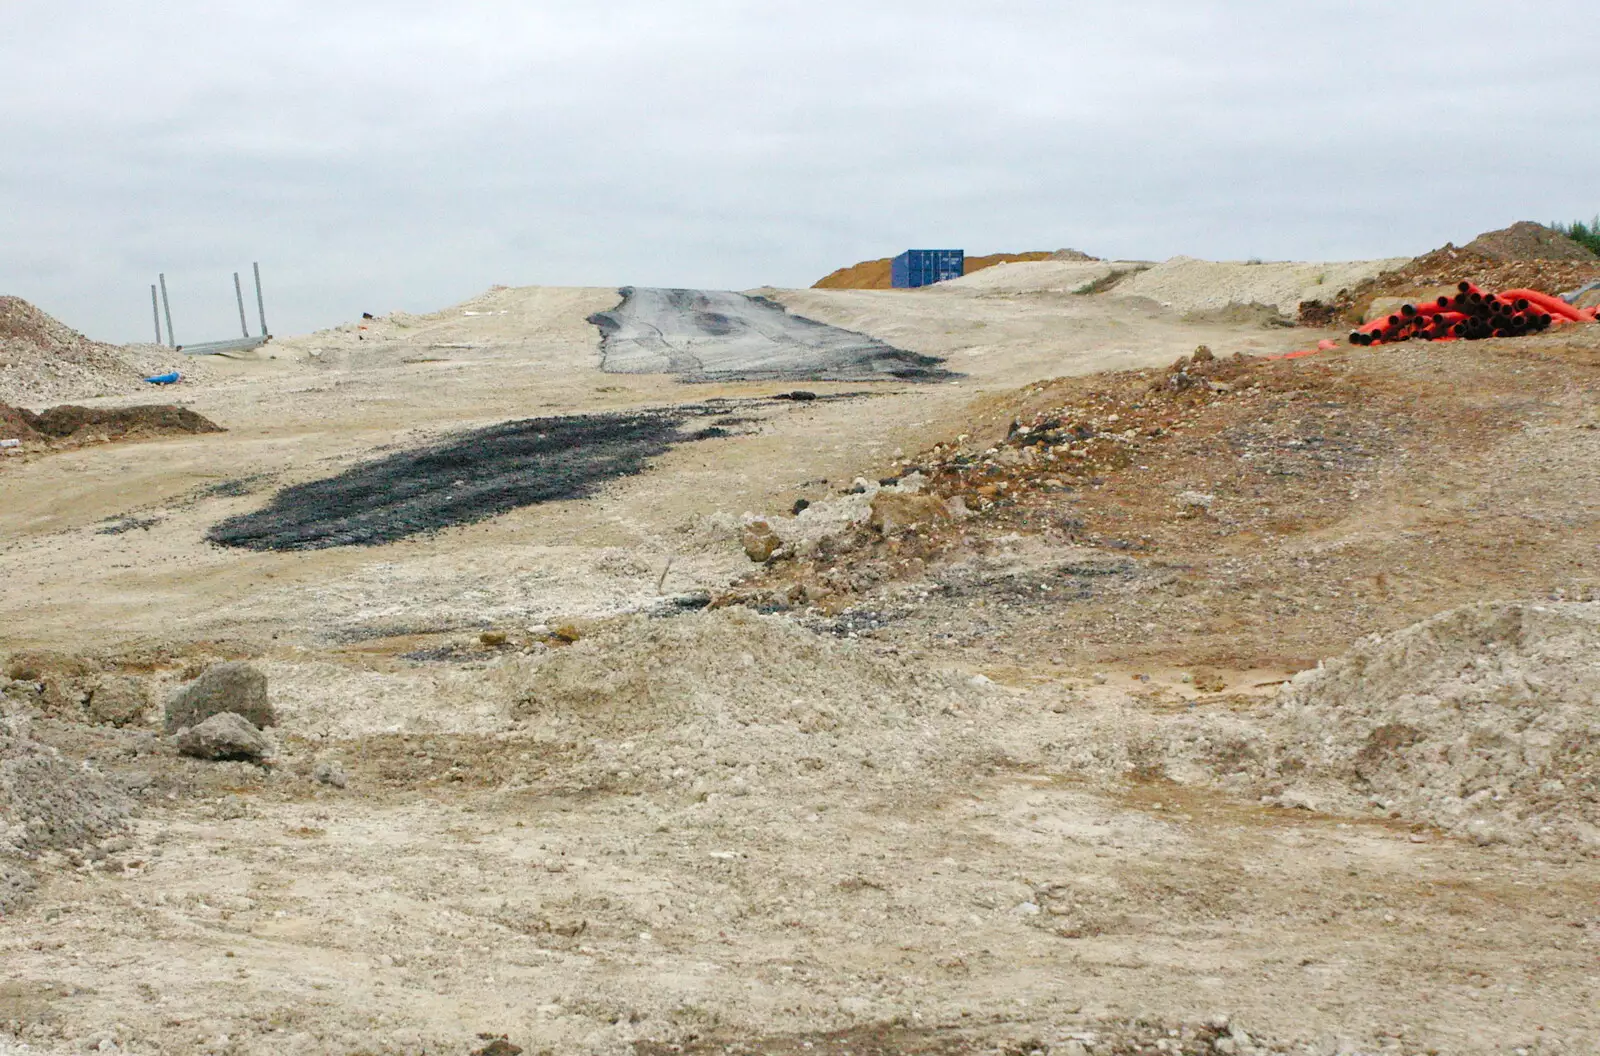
x: 235, y: 687
x: 224, y: 736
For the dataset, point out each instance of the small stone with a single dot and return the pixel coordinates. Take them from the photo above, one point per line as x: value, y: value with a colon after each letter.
x: 493, y: 639
x: 894, y: 511
x: 760, y: 541
x: 328, y: 772
x: 224, y: 736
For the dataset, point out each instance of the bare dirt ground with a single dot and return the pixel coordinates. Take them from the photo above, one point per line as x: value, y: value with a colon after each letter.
x: 946, y: 796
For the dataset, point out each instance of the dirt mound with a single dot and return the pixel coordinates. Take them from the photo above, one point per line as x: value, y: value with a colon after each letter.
x: 118, y: 423
x: 1266, y: 512
x: 744, y: 705
x: 1046, y: 276
x: 15, y: 424
x: 1251, y: 314
x: 1526, y: 240
x: 43, y: 359
x: 75, y: 426
x: 878, y: 274
x: 1523, y: 256
x: 1481, y: 720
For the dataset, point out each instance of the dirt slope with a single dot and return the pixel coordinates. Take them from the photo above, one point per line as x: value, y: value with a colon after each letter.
x: 1236, y: 511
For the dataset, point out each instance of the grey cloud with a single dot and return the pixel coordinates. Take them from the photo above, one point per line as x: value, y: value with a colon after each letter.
x: 379, y: 156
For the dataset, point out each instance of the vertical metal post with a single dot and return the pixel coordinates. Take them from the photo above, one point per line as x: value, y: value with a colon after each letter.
x: 155, y: 310
x: 238, y: 293
x: 261, y: 305
x: 166, y: 306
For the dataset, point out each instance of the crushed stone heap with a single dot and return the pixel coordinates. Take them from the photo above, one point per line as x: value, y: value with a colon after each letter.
x: 1484, y: 721
x: 43, y: 361
x: 47, y: 803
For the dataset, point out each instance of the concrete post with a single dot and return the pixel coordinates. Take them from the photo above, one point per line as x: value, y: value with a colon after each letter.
x: 261, y: 305
x: 238, y: 294
x: 166, y: 306
x: 155, y: 311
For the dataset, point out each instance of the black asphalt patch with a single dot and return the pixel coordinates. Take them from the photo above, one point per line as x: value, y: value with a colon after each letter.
x: 717, y: 335
x: 466, y: 478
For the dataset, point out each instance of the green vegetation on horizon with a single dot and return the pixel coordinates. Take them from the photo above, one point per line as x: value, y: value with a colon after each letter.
x: 1582, y: 233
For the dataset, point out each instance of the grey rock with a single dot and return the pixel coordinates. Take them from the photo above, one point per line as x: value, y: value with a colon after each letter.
x: 16, y: 884
x: 118, y: 701
x: 329, y: 773
x: 224, y: 736
x: 235, y: 687
x: 22, y: 692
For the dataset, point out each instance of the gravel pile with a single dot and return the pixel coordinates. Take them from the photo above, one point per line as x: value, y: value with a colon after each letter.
x: 1528, y: 241
x: 1484, y: 720
x: 42, y: 360
x: 47, y: 804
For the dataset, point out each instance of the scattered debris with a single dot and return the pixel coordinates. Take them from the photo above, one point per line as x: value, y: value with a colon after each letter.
x: 760, y: 541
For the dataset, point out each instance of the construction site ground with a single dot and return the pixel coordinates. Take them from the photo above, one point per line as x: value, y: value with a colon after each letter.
x: 612, y: 787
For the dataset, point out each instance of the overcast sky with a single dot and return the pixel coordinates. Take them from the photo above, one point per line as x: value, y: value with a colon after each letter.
x: 404, y: 155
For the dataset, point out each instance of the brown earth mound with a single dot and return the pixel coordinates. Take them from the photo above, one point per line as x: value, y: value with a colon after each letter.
x: 14, y: 424
x: 1546, y: 265
x: 92, y: 424
x: 878, y: 274
x: 1526, y: 240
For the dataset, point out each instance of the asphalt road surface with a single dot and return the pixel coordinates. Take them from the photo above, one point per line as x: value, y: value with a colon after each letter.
x: 717, y: 335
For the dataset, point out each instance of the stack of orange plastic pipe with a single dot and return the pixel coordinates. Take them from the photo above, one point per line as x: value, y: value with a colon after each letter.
x: 1472, y: 315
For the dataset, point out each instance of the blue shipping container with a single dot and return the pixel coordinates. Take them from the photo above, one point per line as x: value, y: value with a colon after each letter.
x: 924, y: 267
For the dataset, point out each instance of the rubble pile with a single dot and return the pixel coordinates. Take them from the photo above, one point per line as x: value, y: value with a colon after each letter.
x: 1072, y: 466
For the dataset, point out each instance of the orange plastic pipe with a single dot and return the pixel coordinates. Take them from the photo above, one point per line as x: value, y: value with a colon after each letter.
x: 1553, y: 305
